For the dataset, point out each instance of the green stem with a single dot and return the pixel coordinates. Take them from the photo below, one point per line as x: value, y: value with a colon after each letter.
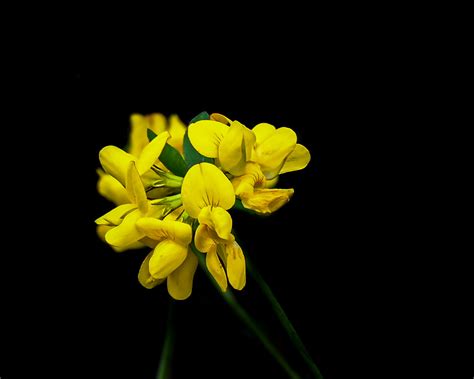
x: 294, y: 337
x: 245, y: 317
x: 164, y: 365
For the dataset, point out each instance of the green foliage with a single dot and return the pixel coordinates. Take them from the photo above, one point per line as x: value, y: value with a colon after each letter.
x: 173, y: 160
x: 191, y: 155
x: 201, y: 116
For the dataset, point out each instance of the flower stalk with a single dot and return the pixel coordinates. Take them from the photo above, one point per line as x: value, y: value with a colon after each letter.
x: 286, y: 323
x: 168, y: 345
x: 230, y: 299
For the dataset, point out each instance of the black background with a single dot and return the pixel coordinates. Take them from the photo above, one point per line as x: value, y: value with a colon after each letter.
x: 334, y: 256
x: 76, y: 293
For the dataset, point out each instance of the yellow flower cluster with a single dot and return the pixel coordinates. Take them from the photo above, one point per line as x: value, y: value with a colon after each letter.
x: 173, y: 186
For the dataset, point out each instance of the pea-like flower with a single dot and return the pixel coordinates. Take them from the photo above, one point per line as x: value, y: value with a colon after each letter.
x: 112, y: 188
x: 157, y: 123
x: 122, y: 219
x: 207, y: 195
x: 253, y: 158
x: 171, y: 258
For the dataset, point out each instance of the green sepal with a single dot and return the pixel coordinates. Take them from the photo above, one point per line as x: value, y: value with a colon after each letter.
x: 150, y: 134
x: 191, y: 155
x: 173, y: 160
x: 170, y: 157
x: 201, y: 116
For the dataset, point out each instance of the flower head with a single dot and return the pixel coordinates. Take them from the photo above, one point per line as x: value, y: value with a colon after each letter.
x: 173, y: 189
x: 253, y: 157
x: 170, y: 259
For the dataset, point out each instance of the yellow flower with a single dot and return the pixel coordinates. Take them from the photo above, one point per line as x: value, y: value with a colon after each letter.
x: 171, y: 258
x: 158, y: 182
x: 124, y: 217
x: 277, y: 152
x: 115, y: 161
x: 254, y: 158
x: 207, y: 194
x: 102, y: 231
x: 111, y: 188
x: 158, y: 123
x: 107, y: 184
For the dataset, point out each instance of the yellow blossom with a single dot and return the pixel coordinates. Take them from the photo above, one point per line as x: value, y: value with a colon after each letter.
x: 115, y: 161
x: 254, y: 158
x: 171, y: 258
x: 207, y: 194
x: 111, y: 188
x: 108, y: 185
x: 158, y: 123
x: 123, y: 218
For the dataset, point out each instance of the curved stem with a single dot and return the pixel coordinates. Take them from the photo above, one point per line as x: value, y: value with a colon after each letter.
x: 164, y: 365
x: 287, y: 325
x: 247, y: 319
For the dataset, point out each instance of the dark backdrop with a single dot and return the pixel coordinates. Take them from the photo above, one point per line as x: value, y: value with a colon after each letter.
x: 76, y: 293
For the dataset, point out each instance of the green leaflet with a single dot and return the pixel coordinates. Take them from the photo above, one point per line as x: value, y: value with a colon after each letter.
x: 173, y: 161
x: 150, y: 134
x: 191, y: 155
x: 170, y: 157
x: 201, y: 116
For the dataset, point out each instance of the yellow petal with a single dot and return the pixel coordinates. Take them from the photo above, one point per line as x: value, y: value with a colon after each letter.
x: 133, y: 246
x: 297, y: 160
x: 267, y: 200
x: 253, y: 178
x: 111, y: 189
x: 203, y: 239
x: 116, y: 215
x: 206, y: 135
x: 138, y: 137
x: 262, y: 132
x: 203, y: 185
x: 126, y: 233
x: 144, y: 277
x: 176, y: 129
x: 156, y: 211
x: 157, y: 122
x: 270, y: 183
x: 115, y: 162
x: 272, y: 152
x: 235, y: 265
x: 151, y: 152
x: 236, y: 148
x: 220, y: 118
x: 103, y: 229
x: 180, y: 281
x: 217, y: 219
x: 160, y: 230
x: 167, y: 257
x: 214, y: 266
x: 135, y: 190
x: 175, y: 215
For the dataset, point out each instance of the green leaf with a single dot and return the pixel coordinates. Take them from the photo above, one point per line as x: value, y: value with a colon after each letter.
x: 201, y: 116
x: 150, y: 134
x: 191, y: 155
x: 173, y: 160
